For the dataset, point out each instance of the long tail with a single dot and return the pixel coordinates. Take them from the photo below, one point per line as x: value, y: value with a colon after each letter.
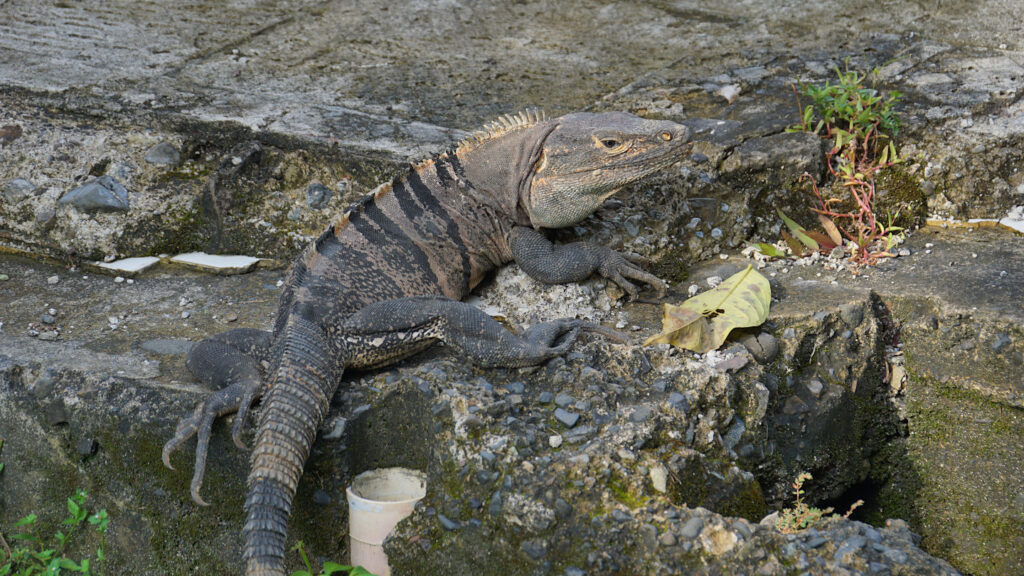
x: 307, y: 373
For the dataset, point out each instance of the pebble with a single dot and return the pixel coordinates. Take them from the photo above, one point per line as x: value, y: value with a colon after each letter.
x: 163, y: 153
x: 322, y: 498
x: 545, y: 397
x: 692, y: 528
x: 185, y: 314
x: 621, y: 515
x: 318, y: 195
x: 53, y: 280
x: 565, y: 417
x: 17, y: 190
x: 1000, y: 343
x: 4, y: 277
x: 118, y: 279
x: 764, y: 347
x: 48, y: 319
x: 104, y: 194
x: 815, y: 387
x: 667, y: 539
x: 515, y: 387
x: 851, y: 314
x: 563, y: 400
x: 555, y: 440
x: 49, y: 336
x: 641, y: 413
x: 447, y: 523
x: 86, y: 447
x: 535, y: 548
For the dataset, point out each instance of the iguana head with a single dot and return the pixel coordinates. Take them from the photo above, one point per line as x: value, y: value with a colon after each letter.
x: 585, y: 158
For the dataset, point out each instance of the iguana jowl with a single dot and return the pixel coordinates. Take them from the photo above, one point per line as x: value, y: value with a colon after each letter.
x: 384, y: 282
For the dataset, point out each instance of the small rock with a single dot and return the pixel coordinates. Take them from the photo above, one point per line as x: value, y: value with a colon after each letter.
x: 104, y: 194
x: 185, y: 314
x: 563, y: 400
x: 730, y: 92
x: 118, y: 279
x: 515, y: 387
x: 679, y: 402
x: 1000, y: 343
x: 53, y: 280
x: 318, y: 195
x: 49, y: 336
x: 48, y: 319
x: 4, y: 277
x: 574, y: 571
x: 17, y: 190
x: 232, y: 317
x: 815, y: 542
x: 565, y: 417
x: 904, y: 252
x: 659, y: 478
x: 667, y: 539
x: 692, y: 528
x: 621, y: 515
x: 535, y: 548
x: 555, y: 440
x: 815, y: 387
x: 851, y: 314
x: 163, y: 153
x: 641, y: 413
x: 447, y: 523
x: 322, y: 498
x: 545, y: 397
x: 837, y: 253
x: 86, y: 447
x: 764, y: 347
x: 713, y: 281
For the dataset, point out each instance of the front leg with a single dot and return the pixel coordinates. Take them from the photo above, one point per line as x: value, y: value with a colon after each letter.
x: 384, y: 332
x: 561, y: 263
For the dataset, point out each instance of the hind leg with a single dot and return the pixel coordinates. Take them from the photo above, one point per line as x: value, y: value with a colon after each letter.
x: 229, y: 362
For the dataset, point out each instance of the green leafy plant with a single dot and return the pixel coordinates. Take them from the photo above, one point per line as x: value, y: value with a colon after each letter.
x: 35, y: 555
x: 861, y: 123
x: 801, y: 516
x: 328, y: 568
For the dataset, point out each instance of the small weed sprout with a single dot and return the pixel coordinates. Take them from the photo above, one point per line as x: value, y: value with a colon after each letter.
x: 861, y: 124
x: 328, y: 568
x: 33, y: 554
x: 801, y: 516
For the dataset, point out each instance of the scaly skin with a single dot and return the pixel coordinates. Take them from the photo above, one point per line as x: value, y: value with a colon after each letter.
x: 385, y: 280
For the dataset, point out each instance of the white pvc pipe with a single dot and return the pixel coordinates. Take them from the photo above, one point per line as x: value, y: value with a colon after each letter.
x: 377, y: 501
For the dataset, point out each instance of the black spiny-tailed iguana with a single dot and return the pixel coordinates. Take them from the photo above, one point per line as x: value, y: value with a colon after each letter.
x: 384, y: 282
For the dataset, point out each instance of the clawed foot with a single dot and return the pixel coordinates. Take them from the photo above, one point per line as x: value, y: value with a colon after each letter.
x: 622, y: 267
x: 237, y: 397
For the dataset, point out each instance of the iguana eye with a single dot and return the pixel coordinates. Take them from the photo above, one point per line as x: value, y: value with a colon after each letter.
x: 666, y: 136
x: 610, y: 143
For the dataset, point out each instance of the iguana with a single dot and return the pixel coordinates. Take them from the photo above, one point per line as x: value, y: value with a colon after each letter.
x: 384, y: 282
